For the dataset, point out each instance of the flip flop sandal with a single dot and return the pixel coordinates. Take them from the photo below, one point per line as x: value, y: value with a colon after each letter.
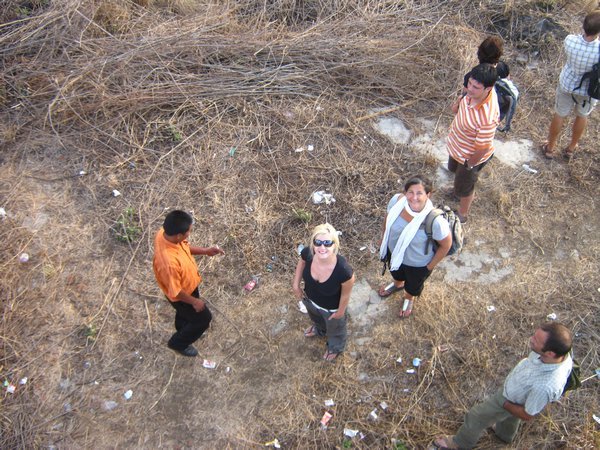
x: 442, y: 443
x: 330, y: 356
x: 310, y: 332
x: 407, y: 308
x: 389, y: 290
x: 547, y: 153
x: 567, y: 154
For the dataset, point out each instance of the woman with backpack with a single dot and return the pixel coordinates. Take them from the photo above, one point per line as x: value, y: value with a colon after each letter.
x: 405, y: 245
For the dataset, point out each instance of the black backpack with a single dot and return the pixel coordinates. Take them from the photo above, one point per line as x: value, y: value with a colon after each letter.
x: 458, y: 235
x: 593, y: 90
x: 507, y: 100
x: 574, y: 380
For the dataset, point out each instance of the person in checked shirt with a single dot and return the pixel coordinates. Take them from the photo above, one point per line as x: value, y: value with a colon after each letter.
x: 582, y: 52
x: 533, y: 383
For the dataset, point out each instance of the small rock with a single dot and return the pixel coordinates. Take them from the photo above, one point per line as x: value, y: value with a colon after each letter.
x: 279, y: 327
x: 109, y: 405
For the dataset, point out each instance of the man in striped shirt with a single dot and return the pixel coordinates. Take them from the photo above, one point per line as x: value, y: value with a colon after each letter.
x: 582, y: 51
x: 469, y: 142
x: 533, y: 383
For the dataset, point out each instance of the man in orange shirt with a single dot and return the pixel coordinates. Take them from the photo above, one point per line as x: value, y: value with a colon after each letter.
x: 177, y: 276
x: 470, y: 141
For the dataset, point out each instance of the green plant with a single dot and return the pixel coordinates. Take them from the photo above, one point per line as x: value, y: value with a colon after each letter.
x: 175, y: 134
x: 399, y: 445
x: 302, y: 215
x: 126, y: 227
x: 90, y: 331
x: 23, y: 11
x: 347, y: 443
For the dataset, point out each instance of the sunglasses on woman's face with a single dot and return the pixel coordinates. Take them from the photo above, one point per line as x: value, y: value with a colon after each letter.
x: 326, y: 242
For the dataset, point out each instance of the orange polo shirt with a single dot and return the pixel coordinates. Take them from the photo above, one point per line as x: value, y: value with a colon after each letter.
x: 473, y: 128
x: 174, y: 267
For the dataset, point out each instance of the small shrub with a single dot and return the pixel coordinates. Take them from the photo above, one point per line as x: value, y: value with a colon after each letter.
x: 175, y: 134
x: 90, y: 332
x: 302, y: 215
x: 126, y: 227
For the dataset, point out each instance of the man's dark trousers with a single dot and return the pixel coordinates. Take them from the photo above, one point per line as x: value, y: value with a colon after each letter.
x: 190, y: 325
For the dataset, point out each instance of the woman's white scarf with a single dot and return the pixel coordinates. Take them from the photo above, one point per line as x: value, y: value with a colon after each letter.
x: 407, y: 234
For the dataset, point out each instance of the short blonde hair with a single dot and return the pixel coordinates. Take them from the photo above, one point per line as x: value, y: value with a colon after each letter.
x: 323, y: 229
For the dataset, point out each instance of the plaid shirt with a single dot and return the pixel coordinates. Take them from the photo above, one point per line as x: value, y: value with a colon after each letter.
x: 581, y: 56
x: 533, y: 384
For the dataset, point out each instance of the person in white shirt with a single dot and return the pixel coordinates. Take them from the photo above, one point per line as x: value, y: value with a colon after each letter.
x: 534, y: 382
x: 582, y: 52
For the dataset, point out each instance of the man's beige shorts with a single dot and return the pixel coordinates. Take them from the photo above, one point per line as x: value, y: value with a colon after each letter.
x: 564, y: 104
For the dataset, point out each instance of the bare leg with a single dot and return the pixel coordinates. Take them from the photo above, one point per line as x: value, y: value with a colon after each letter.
x: 554, y: 131
x: 465, y: 205
x: 578, y: 129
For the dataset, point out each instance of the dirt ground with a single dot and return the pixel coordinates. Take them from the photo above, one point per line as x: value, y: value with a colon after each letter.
x: 211, y: 107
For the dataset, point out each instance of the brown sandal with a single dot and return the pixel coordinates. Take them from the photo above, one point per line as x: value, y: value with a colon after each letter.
x: 310, y: 332
x: 330, y: 356
x: 386, y: 291
x: 444, y: 443
x: 568, y: 154
x: 548, y: 154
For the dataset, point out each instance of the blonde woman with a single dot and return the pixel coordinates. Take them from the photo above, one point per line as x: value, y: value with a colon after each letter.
x: 328, y: 281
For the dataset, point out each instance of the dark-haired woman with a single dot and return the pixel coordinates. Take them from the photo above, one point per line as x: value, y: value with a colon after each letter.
x: 405, y: 244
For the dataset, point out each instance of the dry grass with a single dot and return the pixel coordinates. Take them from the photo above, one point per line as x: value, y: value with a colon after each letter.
x: 201, y: 105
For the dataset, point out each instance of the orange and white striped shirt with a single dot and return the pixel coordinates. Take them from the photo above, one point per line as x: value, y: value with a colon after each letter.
x: 473, y: 129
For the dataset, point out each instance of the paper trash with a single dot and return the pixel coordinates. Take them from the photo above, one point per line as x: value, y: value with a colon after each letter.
x: 209, y: 364
x: 350, y: 433
x: 319, y: 197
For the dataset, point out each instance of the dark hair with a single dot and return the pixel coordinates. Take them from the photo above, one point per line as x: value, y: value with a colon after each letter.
x: 490, y: 50
x: 485, y: 74
x: 502, y: 70
x: 177, y: 222
x: 559, y: 338
x: 412, y: 181
x: 591, y: 23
